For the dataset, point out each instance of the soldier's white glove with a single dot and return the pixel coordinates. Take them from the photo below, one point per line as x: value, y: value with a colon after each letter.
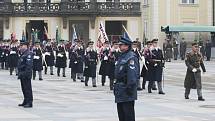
x: 155, y: 65
x: 194, y: 70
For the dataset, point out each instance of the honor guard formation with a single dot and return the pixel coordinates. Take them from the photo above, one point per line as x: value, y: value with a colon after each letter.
x: 122, y: 64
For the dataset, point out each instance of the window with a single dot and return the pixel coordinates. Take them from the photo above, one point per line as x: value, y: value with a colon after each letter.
x: 189, y: 1
x: 38, y: 1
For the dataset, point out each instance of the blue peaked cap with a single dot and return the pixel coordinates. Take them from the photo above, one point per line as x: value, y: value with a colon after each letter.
x: 125, y: 39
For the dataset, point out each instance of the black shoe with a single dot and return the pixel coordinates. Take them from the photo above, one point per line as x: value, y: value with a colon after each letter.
x: 94, y: 86
x: 45, y: 73
x: 21, y: 104
x: 58, y: 74
x: 86, y: 84
x: 33, y: 78
x: 82, y: 81
x: 201, y: 99
x: 149, y: 91
x: 51, y: 74
x: 103, y: 84
x: 64, y: 76
x: 187, y: 97
x: 40, y: 79
x: 139, y: 89
x: 28, y: 105
x: 74, y: 80
x: 161, y: 93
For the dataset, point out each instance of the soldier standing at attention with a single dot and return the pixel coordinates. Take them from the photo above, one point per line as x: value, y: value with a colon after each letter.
x: 13, y: 56
x: 61, y: 59
x: 105, y: 62
x: 25, y: 65
x: 208, y: 50
x: 37, y: 61
x: 125, y: 88
x: 91, y: 59
x: 49, y: 57
x: 183, y: 48
x: 193, y: 62
x: 156, y: 64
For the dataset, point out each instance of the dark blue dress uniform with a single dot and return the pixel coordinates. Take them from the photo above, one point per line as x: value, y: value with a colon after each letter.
x: 156, y: 64
x: 125, y: 88
x: 49, y: 58
x: 91, y: 59
x: 61, y: 60
x: 37, y: 63
x: 105, y: 64
x: 25, y: 66
x: 5, y: 54
x: 76, y: 56
x: 13, y: 58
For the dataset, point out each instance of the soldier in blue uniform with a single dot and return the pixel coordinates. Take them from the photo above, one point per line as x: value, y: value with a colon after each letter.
x: 61, y: 58
x: 156, y: 64
x: 25, y: 65
x: 76, y: 56
x: 114, y: 55
x: 105, y: 62
x: 145, y: 69
x: 49, y: 57
x: 13, y: 57
x: 5, y: 54
x: 91, y: 60
x: 136, y: 50
x: 37, y: 61
x: 126, y: 74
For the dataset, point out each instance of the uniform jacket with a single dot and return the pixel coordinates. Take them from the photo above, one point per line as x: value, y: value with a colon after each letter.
x: 37, y: 59
x: 25, y: 65
x: 13, y: 56
x: 49, y: 55
x: 105, y: 62
x: 126, y: 74
x: 61, y: 59
x: 91, y: 59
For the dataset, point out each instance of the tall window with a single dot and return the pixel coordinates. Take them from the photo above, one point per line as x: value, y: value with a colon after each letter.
x: 189, y: 1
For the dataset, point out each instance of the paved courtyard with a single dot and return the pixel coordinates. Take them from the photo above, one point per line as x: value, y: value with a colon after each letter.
x: 60, y: 99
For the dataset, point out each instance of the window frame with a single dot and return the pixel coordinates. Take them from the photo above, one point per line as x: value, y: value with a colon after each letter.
x: 188, y: 2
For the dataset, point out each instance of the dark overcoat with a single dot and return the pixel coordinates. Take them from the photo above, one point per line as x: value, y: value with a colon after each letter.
x: 193, y: 80
x: 38, y: 60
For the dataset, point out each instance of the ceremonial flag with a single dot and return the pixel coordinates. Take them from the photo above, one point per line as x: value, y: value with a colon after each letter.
x: 57, y: 35
x: 103, y: 33
x: 126, y: 34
